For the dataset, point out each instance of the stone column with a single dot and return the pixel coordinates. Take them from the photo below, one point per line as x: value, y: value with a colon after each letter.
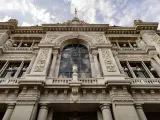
x: 31, y: 63
x: 106, y: 112
x: 155, y: 66
x: 50, y: 114
x: 92, y: 66
x: 19, y: 69
x: 95, y: 53
x: 99, y: 115
x: 53, y: 64
x: 43, y: 112
x: 118, y: 63
x: 156, y: 58
x: 140, y: 112
x: 8, y: 112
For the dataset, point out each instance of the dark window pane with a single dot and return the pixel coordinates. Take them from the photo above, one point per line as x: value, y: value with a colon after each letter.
x: 138, y: 69
x: 75, y: 54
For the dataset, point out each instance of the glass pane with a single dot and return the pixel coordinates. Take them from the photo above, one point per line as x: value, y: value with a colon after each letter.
x: 75, y: 54
x: 138, y: 69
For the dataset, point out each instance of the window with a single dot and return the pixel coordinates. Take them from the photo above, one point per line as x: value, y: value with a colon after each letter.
x: 139, y: 69
x: 126, y: 69
x: 13, y: 69
x: 151, y: 69
x: 25, y: 43
x: 75, y: 54
x: 124, y: 42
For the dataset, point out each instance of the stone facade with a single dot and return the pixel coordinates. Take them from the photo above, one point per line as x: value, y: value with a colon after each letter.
x: 118, y: 89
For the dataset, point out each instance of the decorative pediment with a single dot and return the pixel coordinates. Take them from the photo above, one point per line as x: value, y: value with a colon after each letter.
x: 75, y: 20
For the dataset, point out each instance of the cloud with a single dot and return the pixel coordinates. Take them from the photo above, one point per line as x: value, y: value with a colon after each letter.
x: 27, y: 24
x: 6, y: 18
x: 38, y: 14
x: 113, y: 12
x: 117, y: 12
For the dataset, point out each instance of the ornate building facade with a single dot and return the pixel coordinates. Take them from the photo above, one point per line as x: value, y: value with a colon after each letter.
x: 79, y: 71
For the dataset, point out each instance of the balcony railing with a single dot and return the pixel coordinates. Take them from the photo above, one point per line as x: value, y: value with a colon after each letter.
x: 9, y: 81
x: 61, y: 80
x: 18, y: 48
x: 146, y: 81
x: 88, y: 80
x: 126, y: 48
x: 67, y: 80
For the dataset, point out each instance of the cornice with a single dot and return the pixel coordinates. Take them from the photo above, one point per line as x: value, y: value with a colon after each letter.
x: 139, y: 25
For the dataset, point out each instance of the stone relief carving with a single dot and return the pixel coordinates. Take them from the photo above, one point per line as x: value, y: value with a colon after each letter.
x: 100, y: 39
x: 50, y: 38
x: 41, y: 60
x: 156, y: 38
x: 107, y: 60
x: 90, y: 37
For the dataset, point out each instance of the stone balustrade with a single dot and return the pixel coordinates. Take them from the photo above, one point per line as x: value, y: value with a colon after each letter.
x: 126, y: 48
x: 18, y: 48
x: 67, y: 80
x: 147, y: 81
x: 61, y: 80
x: 9, y: 80
x: 88, y: 80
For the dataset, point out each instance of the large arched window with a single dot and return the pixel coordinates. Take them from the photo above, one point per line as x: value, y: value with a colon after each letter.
x: 75, y: 54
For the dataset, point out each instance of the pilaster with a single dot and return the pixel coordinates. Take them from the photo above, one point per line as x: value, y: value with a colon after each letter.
x: 9, y: 111
x: 53, y: 63
x: 122, y: 104
x: 96, y: 63
x: 109, y: 66
x: 27, y: 100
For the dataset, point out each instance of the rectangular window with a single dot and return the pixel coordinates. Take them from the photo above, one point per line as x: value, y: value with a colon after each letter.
x: 151, y: 69
x: 23, y: 69
x: 126, y: 69
x: 138, y: 70
x: 13, y: 69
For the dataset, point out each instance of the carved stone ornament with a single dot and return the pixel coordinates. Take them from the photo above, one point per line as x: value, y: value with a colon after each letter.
x: 153, y: 53
x: 156, y: 38
x: 75, y: 95
x: 50, y: 38
x: 100, y: 39
x: 107, y: 60
x: 75, y: 35
x: 41, y: 60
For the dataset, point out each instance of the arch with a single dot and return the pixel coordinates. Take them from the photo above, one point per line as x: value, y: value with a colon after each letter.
x: 75, y: 54
x: 83, y: 39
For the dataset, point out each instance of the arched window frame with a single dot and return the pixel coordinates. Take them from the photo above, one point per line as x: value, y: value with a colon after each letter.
x: 60, y: 59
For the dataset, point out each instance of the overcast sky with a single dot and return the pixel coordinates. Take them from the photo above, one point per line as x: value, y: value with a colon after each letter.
x: 113, y: 12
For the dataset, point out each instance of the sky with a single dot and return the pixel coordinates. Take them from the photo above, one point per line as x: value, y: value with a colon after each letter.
x: 113, y: 12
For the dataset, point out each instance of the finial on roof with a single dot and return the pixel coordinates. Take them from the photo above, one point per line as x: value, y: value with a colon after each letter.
x: 75, y: 12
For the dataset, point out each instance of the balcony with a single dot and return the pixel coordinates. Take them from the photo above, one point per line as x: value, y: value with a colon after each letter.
x: 66, y: 81
x: 145, y: 82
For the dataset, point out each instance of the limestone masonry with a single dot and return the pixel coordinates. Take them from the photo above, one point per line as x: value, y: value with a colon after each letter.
x: 79, y: 71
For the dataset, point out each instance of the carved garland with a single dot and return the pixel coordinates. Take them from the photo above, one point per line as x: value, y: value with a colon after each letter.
x: 107, y: 60
x: 50, y: 38
x: 41, y: 61
x: 100, y: 39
